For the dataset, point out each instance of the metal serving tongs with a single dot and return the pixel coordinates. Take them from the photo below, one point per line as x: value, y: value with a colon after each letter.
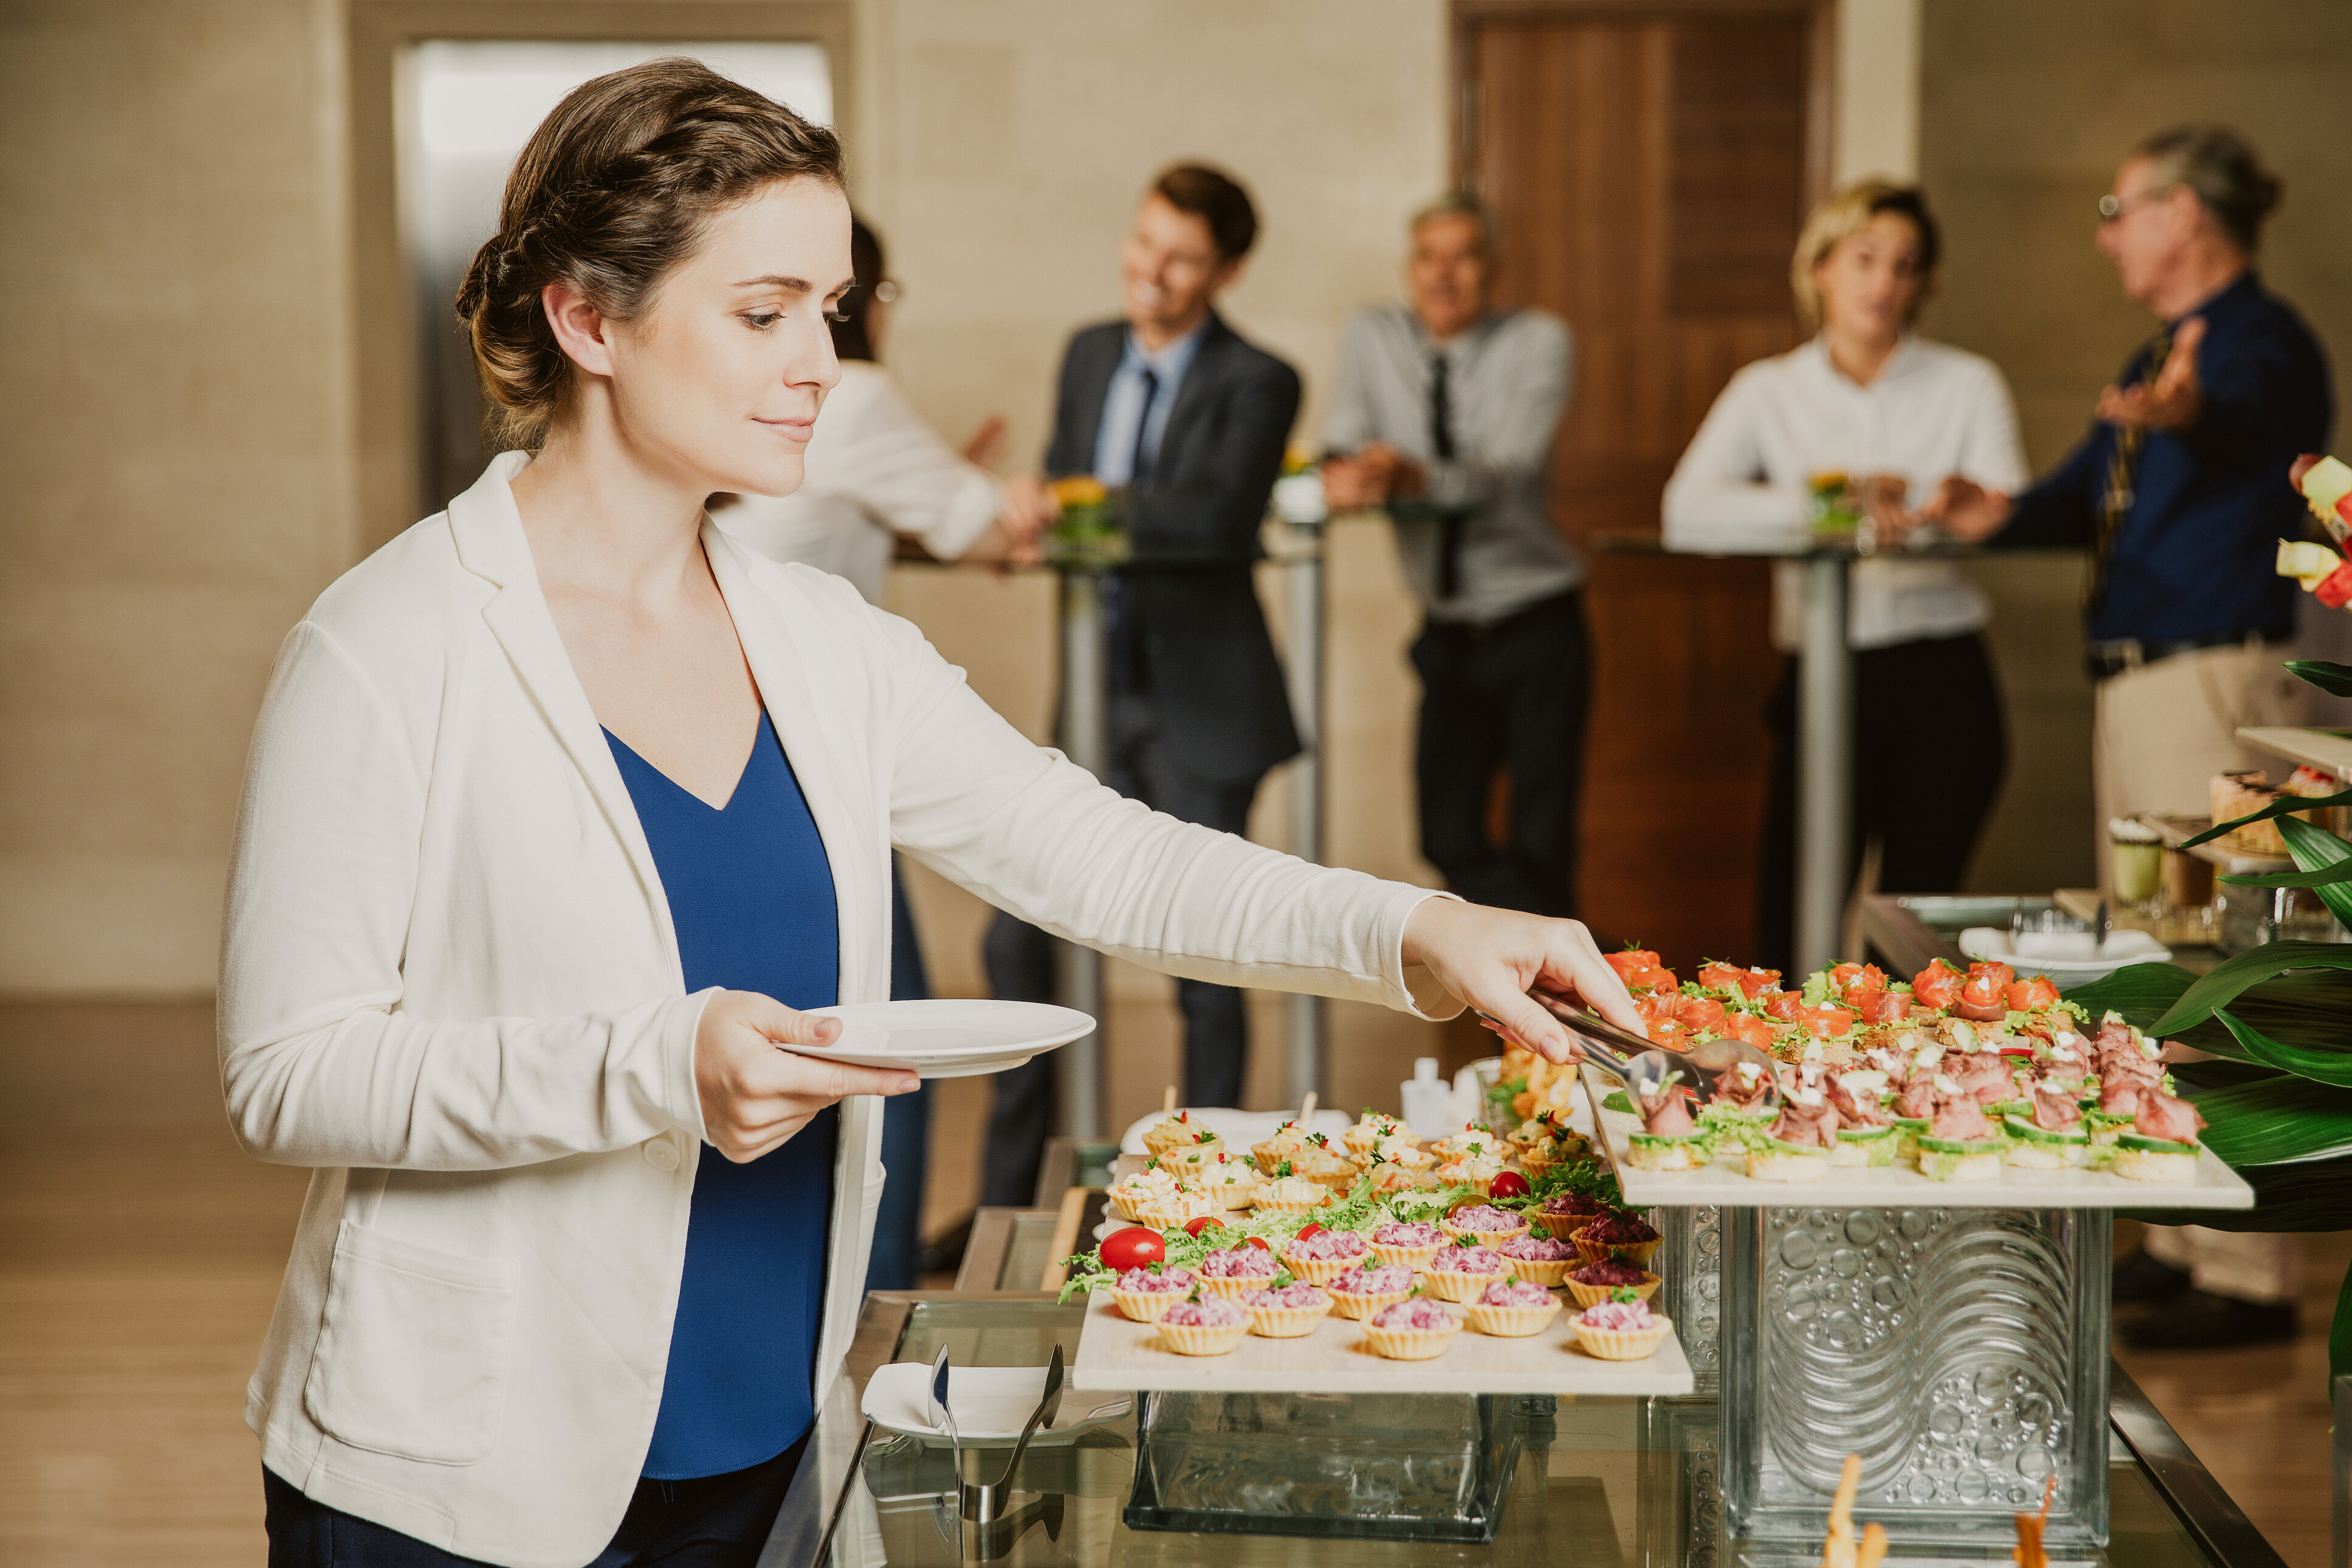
x: 988, y: 1530
x: 1643, y: 1066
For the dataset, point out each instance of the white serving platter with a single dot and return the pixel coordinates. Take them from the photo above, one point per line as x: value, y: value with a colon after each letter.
x: 1901, y: 1185
x: 948, y: 1038
x: 1117, y: 1354
x: 2063, y: 956
x: 991, y: 1404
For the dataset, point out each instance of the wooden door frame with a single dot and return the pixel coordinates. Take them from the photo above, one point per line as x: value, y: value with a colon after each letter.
x: 1820, y: 64
x: 378, y: 33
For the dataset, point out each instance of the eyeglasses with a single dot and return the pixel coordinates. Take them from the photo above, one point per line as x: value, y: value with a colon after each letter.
x: 2111, y: 207
x: 886, y: 290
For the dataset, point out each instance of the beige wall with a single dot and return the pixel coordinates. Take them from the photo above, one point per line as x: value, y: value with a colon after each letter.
x: 179, y: 433
x: 2025, y: 110
x: 176, y: 443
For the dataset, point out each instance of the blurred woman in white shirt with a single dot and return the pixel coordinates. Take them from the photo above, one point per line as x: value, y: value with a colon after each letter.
x: 876, y: 471
x: 1868, y: 398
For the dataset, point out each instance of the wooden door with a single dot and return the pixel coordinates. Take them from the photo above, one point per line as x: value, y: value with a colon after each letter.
x: 1649, y: 168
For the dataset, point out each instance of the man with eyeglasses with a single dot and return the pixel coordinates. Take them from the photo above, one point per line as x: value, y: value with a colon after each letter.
x: 2179, y: 493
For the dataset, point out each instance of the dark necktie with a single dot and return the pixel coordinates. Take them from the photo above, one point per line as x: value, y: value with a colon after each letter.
x: 2122, y: 471
x: 1138, y: 469
x: 1441, y: 444
x: 1122, y: 636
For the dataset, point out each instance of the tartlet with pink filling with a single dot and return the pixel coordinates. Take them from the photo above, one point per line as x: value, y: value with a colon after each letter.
x: 1459, y: 1273
x: 1360, y: 1292
x: 1618, y: 1235
x: 1326, y: 1255
x: 1484, y: 1224
x: 1287, y: 1313
x: 1235, y: 1272
x: 1512, y: 1309
x: 1409, y: 1242
x: 1540, y: 1259
x: 1411, y: 1330
x: 1145, y: 1297
x: 1204, y: 1328
x: 1620, y: 1329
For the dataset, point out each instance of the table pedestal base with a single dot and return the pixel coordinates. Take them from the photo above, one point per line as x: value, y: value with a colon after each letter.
x: 1962, y: 1352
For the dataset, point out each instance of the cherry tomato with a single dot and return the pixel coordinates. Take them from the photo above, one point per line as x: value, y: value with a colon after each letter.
x: 2025, y: 996
x: 1133, y: 1247
x: 1261, y: 1243
x: 1309, y: 1229
x: 1938, y: 985
x: 1630, y: 961
x: 1206, y: 1222
x: 1508, y: 1184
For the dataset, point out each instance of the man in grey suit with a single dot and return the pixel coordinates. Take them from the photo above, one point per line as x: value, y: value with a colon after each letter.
x: 1171, y: 404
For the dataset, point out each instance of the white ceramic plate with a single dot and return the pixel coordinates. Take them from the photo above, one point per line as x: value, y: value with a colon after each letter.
x: 949, y: 1037
x: 991, y: 1404
x: 2063, y: 956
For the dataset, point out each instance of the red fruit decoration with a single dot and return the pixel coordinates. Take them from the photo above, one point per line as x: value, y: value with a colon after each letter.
x: 1261, y: 1243
x: 1206, y: 1222
x: 1136, y: 1246
x: 1309, y: 1229
x: 1508, y: 1184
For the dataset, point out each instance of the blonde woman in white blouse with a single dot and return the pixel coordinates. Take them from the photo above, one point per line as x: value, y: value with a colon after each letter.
x: 1868, y: 398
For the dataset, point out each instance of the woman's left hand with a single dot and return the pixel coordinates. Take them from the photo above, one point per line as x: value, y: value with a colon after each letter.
x: 1492, y: 958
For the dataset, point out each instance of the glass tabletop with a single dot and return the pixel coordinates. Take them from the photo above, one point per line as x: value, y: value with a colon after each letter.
x: 1601, y: 1481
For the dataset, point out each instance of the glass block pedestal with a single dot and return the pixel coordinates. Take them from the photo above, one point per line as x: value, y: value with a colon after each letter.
x: 1961, y: 1353
x: 1387, y: 1467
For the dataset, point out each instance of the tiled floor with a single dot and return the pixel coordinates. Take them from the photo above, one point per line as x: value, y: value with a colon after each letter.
x: 140, y: 1253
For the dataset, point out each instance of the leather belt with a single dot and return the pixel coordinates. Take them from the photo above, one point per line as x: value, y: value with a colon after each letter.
x: 2108, y: 660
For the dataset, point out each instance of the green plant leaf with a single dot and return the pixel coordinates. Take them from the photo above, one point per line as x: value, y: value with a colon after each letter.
x: 2220, y: 985
x: 2325, y: 1065
x: 2315, y: 848
x: 2142, y: 993
x: 2279, y: 807
x: 2277, y: 1120
x: 2336, y: 680
x: 2339, y: 873
x: 2314, y: 1195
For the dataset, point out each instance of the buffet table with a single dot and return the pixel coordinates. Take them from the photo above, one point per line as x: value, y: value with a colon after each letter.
x: 1596, y: 1480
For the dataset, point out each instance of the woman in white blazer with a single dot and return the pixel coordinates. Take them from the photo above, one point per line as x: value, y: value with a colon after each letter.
x: 453, y: 981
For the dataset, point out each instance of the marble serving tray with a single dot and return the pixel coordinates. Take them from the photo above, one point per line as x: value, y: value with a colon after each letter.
x: 1726, y: 1182
x: 1115, y: 1355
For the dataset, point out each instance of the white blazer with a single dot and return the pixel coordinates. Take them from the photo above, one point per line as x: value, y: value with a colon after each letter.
x: 451, y: 986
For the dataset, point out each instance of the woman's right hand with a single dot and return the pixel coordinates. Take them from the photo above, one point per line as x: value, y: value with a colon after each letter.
x: 756, y: 1093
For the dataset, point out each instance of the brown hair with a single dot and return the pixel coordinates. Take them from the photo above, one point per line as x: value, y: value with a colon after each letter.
x: 853, y: 332
x: 611, y: 192
x: 1216, y: 199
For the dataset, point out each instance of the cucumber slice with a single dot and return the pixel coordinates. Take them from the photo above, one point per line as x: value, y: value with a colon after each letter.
x: 1665, y: 1140
x: 2148, y: 1145
x: 1915, y: 1125
x: 1785, y: 1147
x: 2022, y: 1127
x: 1863, y: 1134
x: 1959, y: 1145
x: 1615, y: 1100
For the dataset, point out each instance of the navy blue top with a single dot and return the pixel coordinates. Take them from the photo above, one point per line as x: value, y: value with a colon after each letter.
x: 751, y: 893
x: 2197, y: 548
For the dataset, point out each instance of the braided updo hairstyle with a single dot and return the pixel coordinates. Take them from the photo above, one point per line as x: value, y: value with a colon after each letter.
x: 609, y: 193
